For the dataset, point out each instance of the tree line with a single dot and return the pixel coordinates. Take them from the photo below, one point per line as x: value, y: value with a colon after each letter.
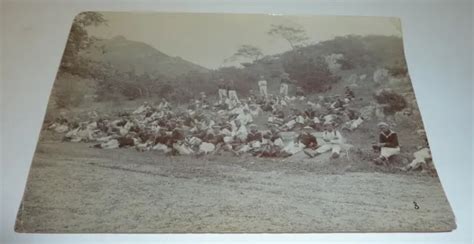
x: 305, y: 64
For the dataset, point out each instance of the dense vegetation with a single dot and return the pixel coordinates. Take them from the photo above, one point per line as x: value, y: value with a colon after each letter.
x: 97, y: 66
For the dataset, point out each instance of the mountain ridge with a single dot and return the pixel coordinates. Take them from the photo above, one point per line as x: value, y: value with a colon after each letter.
x: 138, y: 57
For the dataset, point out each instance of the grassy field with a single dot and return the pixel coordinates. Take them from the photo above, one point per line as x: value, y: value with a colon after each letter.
x: 74, y: 188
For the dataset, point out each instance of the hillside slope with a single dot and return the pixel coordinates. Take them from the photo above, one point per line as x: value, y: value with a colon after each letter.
x: 138, y: 58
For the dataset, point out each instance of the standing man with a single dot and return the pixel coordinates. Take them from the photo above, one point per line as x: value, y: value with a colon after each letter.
x: 285, y: 79
x: 262, y: 86
x: 233, y: 93
x: 222, y: 90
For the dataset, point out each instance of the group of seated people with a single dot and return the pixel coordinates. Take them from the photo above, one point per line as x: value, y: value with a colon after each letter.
x: 204, y: 127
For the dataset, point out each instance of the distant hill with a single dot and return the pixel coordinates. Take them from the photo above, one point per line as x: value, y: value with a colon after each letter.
x: 139, y: 58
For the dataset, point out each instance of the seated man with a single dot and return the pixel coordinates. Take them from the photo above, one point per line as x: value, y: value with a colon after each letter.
x: 254, y: 141
x: 310, y: 112
x: 239, y: 132
x: 277, y: 117
x: 164, y: 104
x: 215, y: 137
x: 423, y: 158
x: 272, y: 144
x: 245, y: 117
x: 222, y: 91
x: 267, y: 106
x: 338, y: 105
x: 309, y: 141
x: 332, y: 140
x: 254, y: 135
x: 176, y: 140
x: 255, y: 110
x: 388, y: 144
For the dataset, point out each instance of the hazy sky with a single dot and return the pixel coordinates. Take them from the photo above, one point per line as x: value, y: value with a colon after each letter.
x: 208, y: 39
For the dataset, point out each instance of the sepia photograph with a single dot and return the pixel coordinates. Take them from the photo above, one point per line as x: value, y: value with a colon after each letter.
x: 233, y: 123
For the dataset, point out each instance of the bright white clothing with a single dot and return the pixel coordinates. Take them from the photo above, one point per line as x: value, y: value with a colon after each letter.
x: 141, y: 109
x: 290, y: 124
x: 420, y: 158
x: 279, y: 142
x: 245, y: 119
x: 182, y: 149
x: 387, y: 152
x: 82, y: 135
x: 228, y: 139
x: 293, y: 147
x: 333, y: 137
x: 334, y: 148
x: 299, y: 119
x: 206, y: 147
x: 195, y: 141
x: 284, y: 89
x: 112, y: 144
x: 354, y: 124
x: 329, y: 118
x: 262, y: 85
x: 332, y: 141
x: 61, y: 128
x: 163, y: 105
x: 225, y: 132
x: 161, y: 147
x: 233, y: 95
x: 222, y: 95
x: 241, y: 133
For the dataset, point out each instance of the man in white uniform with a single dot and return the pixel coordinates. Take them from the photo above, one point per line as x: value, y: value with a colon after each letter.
x: 332, y: 140
x: 262, y: 86
x: 285, y: 79
x: 233, y: 93
x: 245, y: 117
x: 222, y: 90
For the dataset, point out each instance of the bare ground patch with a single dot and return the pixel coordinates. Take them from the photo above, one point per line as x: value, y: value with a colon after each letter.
x: 74, y: 188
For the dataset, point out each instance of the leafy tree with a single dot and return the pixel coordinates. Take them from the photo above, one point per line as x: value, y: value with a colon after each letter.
x: 79, y: 39
x: 247, y: 52
x: 311, y: 74
x: 295, y: 36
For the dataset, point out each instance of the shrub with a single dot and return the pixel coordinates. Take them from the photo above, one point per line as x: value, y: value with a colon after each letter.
x: 69, y: 91
x: 392, y: 102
